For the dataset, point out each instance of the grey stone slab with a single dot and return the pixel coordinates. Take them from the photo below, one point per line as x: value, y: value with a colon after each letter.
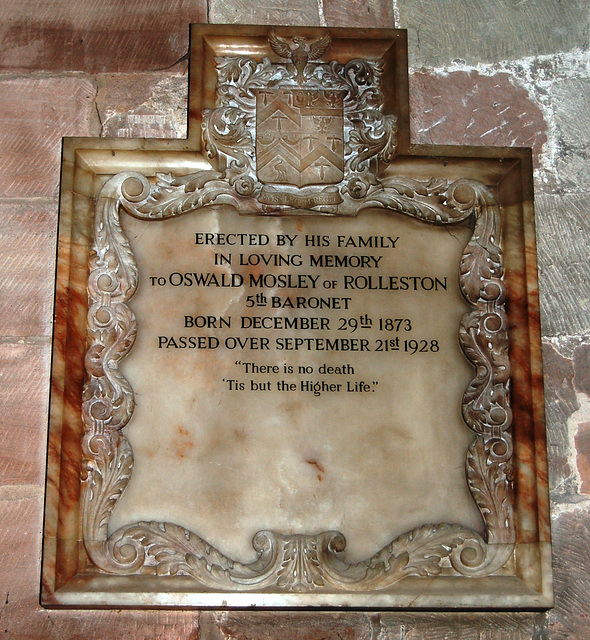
x: 563, y: 237
x: 571, y: 537
x: 560, y: 404
x: 296, y: 12
x: 480, y: 31
x: 572, y: 112
x: 571, y: 99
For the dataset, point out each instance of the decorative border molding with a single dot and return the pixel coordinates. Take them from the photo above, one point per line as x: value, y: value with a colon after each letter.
x: 296, y: 563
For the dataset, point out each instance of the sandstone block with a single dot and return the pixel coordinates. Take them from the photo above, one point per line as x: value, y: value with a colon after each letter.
x: 295, y: 12
x: 581, y: 362
x: 24, y: 619
x: 35, y: 114
x: 571, y: 540
x: 282, y: 625
x: 96, y: 37
x: 582, y: 440
x: 564, y: 271
x: 571, y: 98
x: 560, y: 404
x: 366, y: 13
x: 146, y: 105
x: 24, y: 376
x: 480, y: 31
x: 473, y: 109
x: 27, y: 247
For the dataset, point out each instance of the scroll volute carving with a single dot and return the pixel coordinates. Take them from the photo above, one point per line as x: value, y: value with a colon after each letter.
x: 262, y: 106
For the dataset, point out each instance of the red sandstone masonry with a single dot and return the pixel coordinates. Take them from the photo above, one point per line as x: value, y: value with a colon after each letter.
x: 35, y: 114
x: 368, y: 13
x: 93, y: 36
x: 582, y: 437
x: 474, y: 109
x: 582, y: 440
x: 271, y: 12
x: 23, y: 410
x: 569, y: 620
x: 23, y: 619
x: 582, y: 369
x: 27, y: 247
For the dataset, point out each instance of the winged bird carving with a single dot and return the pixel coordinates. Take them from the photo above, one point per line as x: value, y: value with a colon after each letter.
x: 300, y: 52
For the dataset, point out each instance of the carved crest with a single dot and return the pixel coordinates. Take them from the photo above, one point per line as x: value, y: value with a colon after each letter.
x: 300, y: 53
x: 315, y: 124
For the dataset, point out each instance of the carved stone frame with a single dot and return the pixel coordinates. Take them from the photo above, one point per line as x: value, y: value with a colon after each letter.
x: 436, y: 565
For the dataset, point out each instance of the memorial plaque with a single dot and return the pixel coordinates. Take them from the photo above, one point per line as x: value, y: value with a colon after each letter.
x: 296, y: 359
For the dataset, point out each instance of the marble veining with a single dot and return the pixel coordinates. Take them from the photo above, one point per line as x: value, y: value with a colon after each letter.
x: 171, y: 549
x: 304, y: 133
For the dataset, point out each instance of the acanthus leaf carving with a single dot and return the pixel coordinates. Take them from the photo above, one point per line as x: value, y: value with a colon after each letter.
x: 301, y: 562
x: 489, y: 474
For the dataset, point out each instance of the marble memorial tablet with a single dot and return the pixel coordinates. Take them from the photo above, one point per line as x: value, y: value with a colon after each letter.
x: 296, y: 359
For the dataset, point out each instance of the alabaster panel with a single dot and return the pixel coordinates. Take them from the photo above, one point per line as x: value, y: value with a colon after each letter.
x: 265, y: 435
x: 296, y: 361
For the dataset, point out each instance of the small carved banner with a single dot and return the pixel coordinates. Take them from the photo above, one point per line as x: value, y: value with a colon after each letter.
x: 327, y: 343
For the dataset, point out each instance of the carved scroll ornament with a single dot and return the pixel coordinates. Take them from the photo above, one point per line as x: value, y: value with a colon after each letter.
x: 300, y: 562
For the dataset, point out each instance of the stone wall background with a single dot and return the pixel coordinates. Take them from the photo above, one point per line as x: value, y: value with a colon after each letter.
x: 511, y: 72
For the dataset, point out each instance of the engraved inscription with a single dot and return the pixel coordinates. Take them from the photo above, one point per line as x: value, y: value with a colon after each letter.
x: 427, y: 550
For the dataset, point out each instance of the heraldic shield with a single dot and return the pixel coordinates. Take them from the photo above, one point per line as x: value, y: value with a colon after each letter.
x: 299, y: 136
